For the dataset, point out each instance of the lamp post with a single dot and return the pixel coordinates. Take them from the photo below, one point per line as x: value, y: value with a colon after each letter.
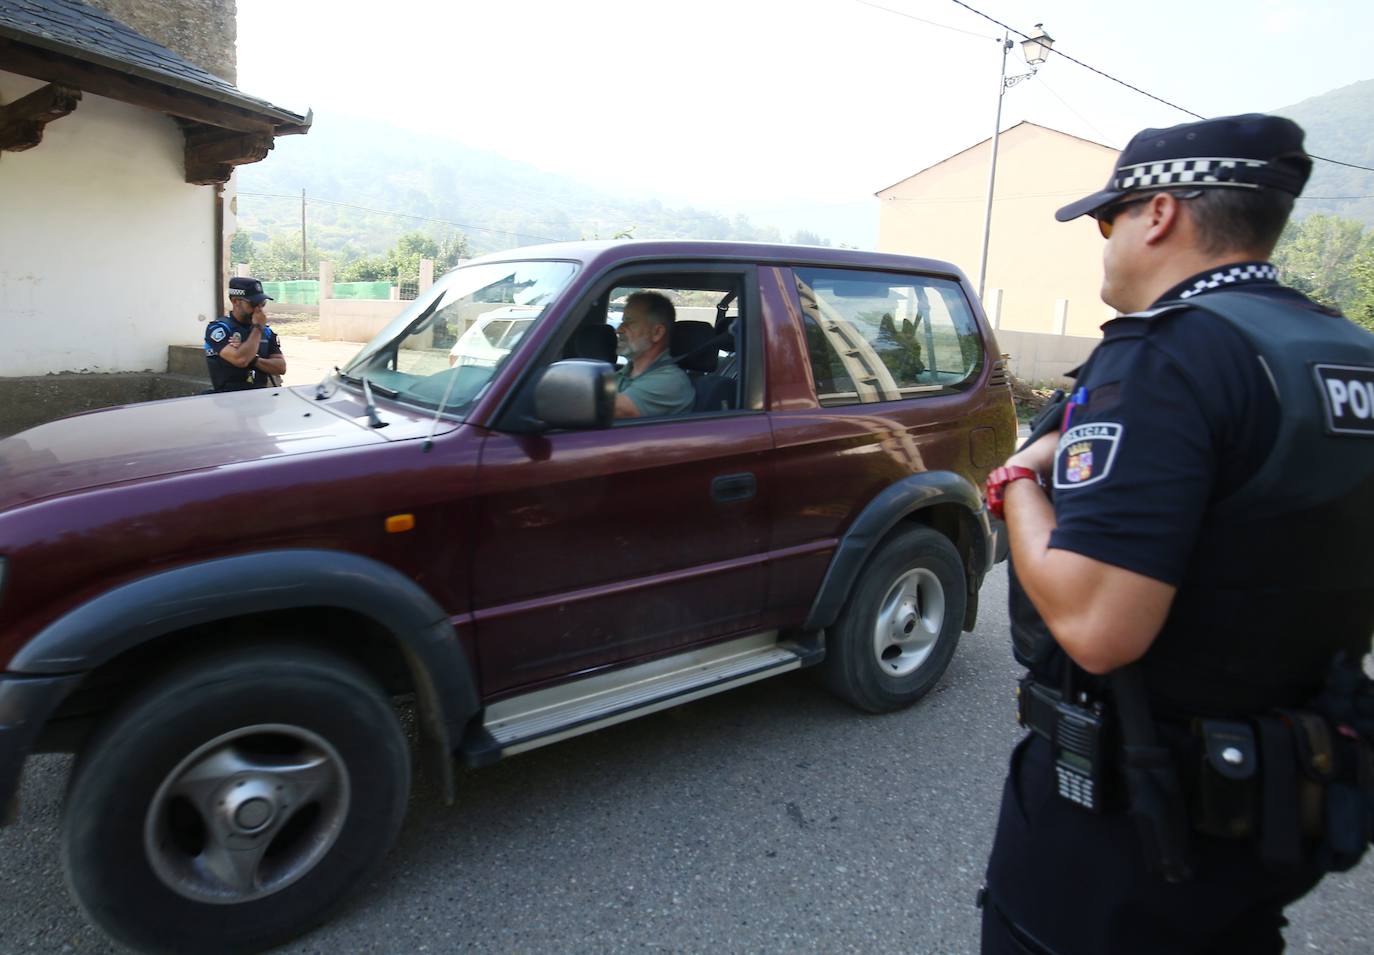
x: 1036, y: 50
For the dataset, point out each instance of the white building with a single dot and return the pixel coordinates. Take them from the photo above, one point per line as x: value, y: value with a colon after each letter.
x: 114, y: 152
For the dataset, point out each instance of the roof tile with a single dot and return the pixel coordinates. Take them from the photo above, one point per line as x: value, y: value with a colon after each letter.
x: 84, y: 29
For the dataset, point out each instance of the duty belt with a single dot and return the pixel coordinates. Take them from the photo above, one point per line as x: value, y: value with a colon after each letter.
x: 1295, y: 782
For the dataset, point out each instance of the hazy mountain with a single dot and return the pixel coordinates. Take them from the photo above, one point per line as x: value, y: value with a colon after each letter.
x: 497, y: 202
x: 1340, y: 125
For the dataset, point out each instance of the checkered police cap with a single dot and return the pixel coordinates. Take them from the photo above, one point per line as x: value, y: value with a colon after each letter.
x: 1252, y: 151
x: 242, y: 286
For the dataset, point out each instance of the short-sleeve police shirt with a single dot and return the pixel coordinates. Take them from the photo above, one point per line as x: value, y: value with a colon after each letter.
x: 224, y: 331
x: 1171, y: 414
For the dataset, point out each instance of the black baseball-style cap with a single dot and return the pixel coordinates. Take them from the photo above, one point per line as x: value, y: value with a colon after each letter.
x: 1251, y: 151
x: 251, y: 289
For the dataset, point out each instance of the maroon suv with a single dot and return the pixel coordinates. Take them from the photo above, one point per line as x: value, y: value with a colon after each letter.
x: 215, y: 601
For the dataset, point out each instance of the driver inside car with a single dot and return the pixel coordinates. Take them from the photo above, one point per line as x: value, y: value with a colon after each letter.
x: 651, y: 383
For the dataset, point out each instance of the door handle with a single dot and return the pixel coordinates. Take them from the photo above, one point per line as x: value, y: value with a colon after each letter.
x: 729, y: 488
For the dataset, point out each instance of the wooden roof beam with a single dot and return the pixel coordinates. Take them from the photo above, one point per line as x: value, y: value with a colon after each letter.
x: 136, y: 91
x: 212, y: 154
x: 22, y: 122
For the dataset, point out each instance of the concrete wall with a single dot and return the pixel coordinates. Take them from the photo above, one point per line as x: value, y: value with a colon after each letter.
x: 26, y: 402
x: 356, y: 319
x: 1035, y: 260
x: 203, y: 31
x: 1041, y: 358
x: 106, y: 254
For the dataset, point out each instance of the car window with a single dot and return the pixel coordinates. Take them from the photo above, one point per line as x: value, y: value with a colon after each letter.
x: 492, y: 332
x: 445, y: 348
x: 704, y: 355
x: 880, y: 336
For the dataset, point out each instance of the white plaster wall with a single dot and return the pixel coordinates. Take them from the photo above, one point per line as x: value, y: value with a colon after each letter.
x: 106, y: 253
x: 1035, y: 260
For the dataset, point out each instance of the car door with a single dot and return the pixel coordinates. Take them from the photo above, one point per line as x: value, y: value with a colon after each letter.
x: 600, y: 547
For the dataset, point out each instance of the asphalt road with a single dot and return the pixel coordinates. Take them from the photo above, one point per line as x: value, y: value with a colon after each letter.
x: 770, y: 819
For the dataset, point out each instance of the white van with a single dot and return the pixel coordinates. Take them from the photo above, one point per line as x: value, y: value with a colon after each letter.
x: 492, y: 335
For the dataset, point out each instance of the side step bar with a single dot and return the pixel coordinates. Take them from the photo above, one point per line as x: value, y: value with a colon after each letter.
x: 546, y: 716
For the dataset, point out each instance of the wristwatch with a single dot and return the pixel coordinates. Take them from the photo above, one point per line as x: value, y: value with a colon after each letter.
x: 997, y: 485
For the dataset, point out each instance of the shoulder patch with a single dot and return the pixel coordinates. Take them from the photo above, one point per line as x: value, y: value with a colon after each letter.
x: 218, y: 333
x: 1086, y: 453
x: 1348, y: 398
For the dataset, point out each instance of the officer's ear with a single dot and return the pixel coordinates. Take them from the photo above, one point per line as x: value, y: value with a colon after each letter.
x: 1165, y: 217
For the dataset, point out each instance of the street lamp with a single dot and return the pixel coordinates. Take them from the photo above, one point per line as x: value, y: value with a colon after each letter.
x: 1036, y: 50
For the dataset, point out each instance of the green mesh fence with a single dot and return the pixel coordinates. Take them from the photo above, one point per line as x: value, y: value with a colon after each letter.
x: 373, y: 290
x: 307, y: 291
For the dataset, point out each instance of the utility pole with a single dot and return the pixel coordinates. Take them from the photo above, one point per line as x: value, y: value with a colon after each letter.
x: 305, y: 268
x: 992, y: 168
x: 1036, y: 50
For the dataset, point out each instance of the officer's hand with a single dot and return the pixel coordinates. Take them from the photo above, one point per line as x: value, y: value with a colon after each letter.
x: 260, y: 317
x: 1039, y: 456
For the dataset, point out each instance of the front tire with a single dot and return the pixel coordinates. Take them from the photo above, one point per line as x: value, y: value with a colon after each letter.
x: 897, y: 632
x: 231, y: 804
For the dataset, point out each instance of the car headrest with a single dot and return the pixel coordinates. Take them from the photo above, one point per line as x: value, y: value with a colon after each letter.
x: 595, y: 341
x: 690, y: 346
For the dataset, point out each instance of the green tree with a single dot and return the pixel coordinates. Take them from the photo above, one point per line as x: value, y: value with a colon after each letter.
x: 280, y: 258
x: 1316, y: 255
x: 241, y: 248
x: 1361, y: 307
x: 374, y: 268
x: 452, y: 249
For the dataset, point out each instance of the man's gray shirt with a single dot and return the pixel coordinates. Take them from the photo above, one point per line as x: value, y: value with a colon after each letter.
x: 663, y: 389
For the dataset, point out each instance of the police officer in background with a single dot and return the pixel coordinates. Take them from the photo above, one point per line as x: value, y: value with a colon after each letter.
x: 242, y: 352
x: 1192, y: 578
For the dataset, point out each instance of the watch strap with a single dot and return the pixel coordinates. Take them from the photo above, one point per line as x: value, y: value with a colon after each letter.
x: 997, y: 484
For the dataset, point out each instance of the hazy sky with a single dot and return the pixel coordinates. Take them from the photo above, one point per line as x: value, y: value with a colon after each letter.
x: 716, y: 102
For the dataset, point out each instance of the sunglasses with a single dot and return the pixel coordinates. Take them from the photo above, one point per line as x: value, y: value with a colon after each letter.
x: 1107, y: 214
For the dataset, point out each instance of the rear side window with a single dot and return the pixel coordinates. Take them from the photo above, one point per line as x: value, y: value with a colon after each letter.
x: 880, y: 336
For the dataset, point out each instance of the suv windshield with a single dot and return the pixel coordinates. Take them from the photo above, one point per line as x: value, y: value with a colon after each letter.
x: 452, y: 339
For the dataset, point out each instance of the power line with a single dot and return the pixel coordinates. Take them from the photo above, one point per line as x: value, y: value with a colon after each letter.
x: 402, y: 215
x: 1102, y: 137
x: 1081, y: 63
x: 1137, y: 89
x: 943, y: 26
x: 1350, y: 164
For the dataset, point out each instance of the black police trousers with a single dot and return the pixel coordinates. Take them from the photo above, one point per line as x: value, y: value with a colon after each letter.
x: 1064, y: 881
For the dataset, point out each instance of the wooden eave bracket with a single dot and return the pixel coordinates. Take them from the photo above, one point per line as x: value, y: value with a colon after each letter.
x: 22, y: 122
x: 212, y: 154
x: 219, y: 136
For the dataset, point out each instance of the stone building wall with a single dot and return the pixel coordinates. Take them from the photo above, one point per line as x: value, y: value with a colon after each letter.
x: 203, y: 31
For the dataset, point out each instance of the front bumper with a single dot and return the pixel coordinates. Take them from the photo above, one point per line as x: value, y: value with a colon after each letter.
x: 26, y: 703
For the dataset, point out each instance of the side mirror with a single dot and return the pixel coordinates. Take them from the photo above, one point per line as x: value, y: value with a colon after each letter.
x: 576, y: 393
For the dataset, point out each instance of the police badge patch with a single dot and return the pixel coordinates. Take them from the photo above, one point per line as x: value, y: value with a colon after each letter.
x: 217, y: 333
x: 1085, y: 454
x: 1348, y: 393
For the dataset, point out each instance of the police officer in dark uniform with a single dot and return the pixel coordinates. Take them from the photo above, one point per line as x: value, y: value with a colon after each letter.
x: 242, y: 352
x: 1192, y: 578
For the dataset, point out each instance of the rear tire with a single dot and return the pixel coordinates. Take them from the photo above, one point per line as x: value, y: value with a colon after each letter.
x: 897, y: 632
x: 231, y: 804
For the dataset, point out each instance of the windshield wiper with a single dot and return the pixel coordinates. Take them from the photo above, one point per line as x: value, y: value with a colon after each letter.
x: 373, y: 421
